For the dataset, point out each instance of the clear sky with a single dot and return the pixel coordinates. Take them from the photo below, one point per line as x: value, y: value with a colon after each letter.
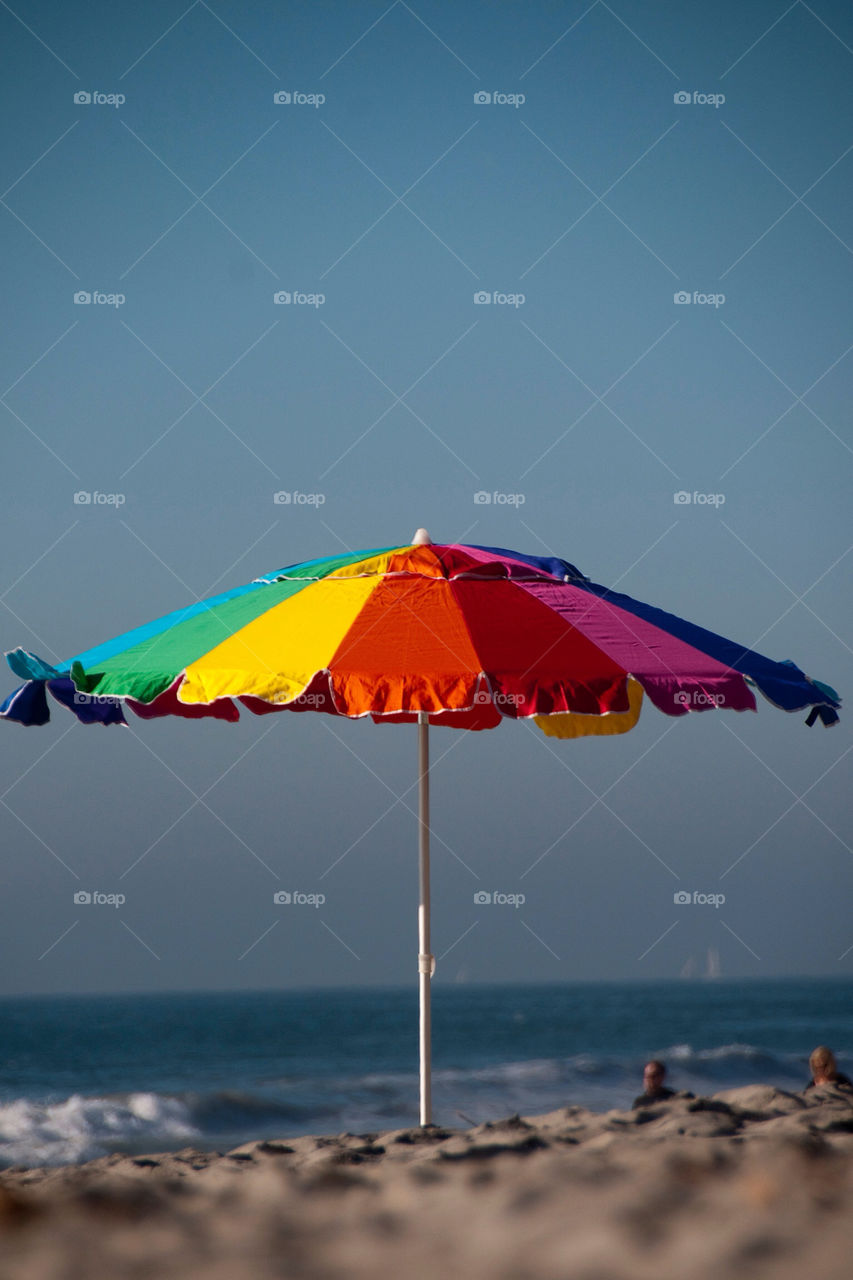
x: 627, y: 154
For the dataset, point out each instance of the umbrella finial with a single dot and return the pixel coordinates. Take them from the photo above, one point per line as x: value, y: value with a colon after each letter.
x: 421, y: 539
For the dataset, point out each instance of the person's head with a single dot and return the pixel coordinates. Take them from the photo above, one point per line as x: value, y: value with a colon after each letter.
x: 822, y: 1065
x: 653, y: 1074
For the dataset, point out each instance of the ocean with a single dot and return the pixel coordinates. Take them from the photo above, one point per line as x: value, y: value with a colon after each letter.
x: 84, y: 1076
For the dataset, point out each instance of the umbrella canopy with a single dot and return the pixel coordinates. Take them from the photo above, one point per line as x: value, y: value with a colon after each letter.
x: 464, y: 636
x: 468, y: 635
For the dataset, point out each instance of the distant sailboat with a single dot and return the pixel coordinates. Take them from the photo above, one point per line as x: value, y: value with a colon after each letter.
x: 713, y: 968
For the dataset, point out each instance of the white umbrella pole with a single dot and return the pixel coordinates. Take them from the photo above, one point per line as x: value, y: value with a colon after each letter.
x: 426, y: 961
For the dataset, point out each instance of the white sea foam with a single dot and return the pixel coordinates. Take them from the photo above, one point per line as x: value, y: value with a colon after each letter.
x: 81, y: 1128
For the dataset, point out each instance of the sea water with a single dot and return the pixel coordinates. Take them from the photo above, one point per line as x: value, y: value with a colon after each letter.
x: 83, y: 1076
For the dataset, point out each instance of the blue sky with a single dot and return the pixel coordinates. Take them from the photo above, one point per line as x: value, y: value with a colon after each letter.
x: 582, y: 198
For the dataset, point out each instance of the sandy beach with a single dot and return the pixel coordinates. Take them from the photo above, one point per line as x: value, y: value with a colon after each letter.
x: 750, y: 1182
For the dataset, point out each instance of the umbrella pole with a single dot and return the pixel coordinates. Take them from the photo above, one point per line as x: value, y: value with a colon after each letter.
x: 426, y: 961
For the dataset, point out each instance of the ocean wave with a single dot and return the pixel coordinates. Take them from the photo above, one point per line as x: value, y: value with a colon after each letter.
x: 748, y: 1061
x: 228, y: 1110
x: 746, y: 1052
x: 740, y: 1062
x: 78, y: 1128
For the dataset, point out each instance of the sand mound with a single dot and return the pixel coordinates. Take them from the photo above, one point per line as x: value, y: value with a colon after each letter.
x: 752, y: 1182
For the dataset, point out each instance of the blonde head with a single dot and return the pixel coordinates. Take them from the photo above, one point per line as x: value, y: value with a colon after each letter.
x: 822, y: 1062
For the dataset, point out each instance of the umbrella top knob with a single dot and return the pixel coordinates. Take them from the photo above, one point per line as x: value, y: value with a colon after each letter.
x: 421, y: 539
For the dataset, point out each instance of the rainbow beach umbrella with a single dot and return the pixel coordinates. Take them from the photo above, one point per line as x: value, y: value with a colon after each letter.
x: 462, y: 636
